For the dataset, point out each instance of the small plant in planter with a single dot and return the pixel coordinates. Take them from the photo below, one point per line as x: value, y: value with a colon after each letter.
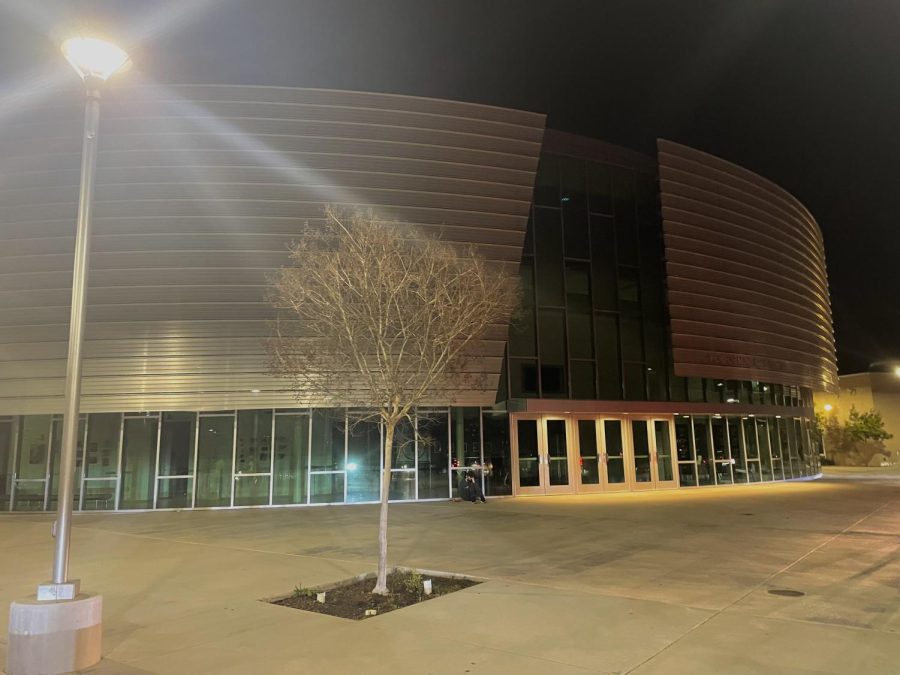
x: 354, y: 599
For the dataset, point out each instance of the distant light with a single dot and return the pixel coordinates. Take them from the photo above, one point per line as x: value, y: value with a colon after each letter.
x: 254, y: 391
x: 92, y: 57
x: 777, y: 417
x: 720, y: 384
x: 897, y: 371
x: 352, y: 466
x: 565, y: 199
x: 828, y: 407
x: 751, y: 415
x: 766, y: 388
x: 650, y: 369
x: 731, y: 400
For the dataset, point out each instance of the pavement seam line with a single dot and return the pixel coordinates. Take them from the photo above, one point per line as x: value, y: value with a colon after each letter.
x: 759, y: 585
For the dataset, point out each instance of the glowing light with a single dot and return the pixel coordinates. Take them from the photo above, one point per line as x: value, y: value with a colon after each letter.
x: 731, y: 400
x: 352, y: 466
x: 897, y: 371
x: 93, y: 57
x: 828, y: 407
x: 254, y: 391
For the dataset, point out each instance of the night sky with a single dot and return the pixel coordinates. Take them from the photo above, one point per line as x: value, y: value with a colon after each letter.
x: 804, y: 92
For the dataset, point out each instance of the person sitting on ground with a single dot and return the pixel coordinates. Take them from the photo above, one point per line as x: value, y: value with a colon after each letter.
x: 473, y: 488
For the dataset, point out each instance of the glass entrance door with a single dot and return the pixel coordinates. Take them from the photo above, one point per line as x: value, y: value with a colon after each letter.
x: 542, y: 455
x: 601, y: 454
x: 651, y: 453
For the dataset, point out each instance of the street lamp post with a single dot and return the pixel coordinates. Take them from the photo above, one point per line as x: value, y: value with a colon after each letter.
x: 61, y: 630
x: 95, y: 60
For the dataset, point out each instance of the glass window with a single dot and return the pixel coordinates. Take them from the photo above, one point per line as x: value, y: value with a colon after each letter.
x: 551, y: 323
x: 176, y: 444
x: 363, y: 460
x: 403, y: 465
x: 606, y: 332
x: 466, y: 443
x: 578, y: 287
x: 625, y: 216
x: 497, y: 463
x: 633, y: 379
x: 581, y: 338
x: 523, y: 378
x: 603, y: 263
x: 548, y: 257
x: 557, y: 452
x: 56, y: 456
x: 522, y: 332
x: 34, y: 447
x: 254, y: 442
x: 6, y: 462
x: 640, y: 437
x: 600, y: 188
x: 175, y: 493
x: 546, y: 182
x: 736, y: 446
x: 582, y: 373
x: 326, y: 488
x: 765, y: 457
x: 705, y: 462
x: 215, y: 450
x: 647, y: 198
x: 575, y: 208
x: 632, y: 345
x: 102, y: 453
x: 139, y: 439
x: 663, y: 450
x: 629, y: 291
x: 684, y: 451
x: 327, y: 452
x: 434, y: 455
x: 291, y: 456
x: 723, y: 463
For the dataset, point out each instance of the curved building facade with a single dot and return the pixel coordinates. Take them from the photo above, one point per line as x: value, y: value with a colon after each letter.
x: 649, y: 353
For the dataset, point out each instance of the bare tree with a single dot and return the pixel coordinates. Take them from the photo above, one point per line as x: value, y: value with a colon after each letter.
x: 383, y: 316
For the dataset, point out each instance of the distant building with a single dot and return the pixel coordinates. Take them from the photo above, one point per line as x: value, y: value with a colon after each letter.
x: 676, y: 316
x: 877, y: 389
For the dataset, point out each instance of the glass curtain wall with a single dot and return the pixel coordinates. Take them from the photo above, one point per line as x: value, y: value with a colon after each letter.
x: 7, y: 430
x: 139, y: 450
x: 215, y: 458
x: 177, y: 447
x: 101, y: 461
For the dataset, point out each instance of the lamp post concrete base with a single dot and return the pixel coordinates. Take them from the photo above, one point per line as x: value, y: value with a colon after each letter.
x: 46, y: 638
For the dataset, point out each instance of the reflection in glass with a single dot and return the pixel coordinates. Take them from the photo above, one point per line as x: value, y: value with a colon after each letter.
x: 56, y: 456
x: 214, y: 456
x: 557, y: 452
x: 589, y: 451
x: 433, y: 455
x: 765, y: 456
x: 496, y: 453
x: 253, y: 453
x: 328, y: 443
x: 6, y: 462
x: 102, y: 452
x: 100, y: 495
x: 291, y: 455
x: 736, y: 446
x: 403, y: 466
x: 138, y: 460
x: 684, y: 450
x: 326, y: 488
x: 251, y: 490
x: 548, y: 257
x: 641, y: 443
x: 529, y: 459
x: 615, y: 451
x: 176, y: 443
x: 663, y: 450
x: 363, y: 460
x: 175, y: 493
x: 705, y: 459
x: 720, y: 451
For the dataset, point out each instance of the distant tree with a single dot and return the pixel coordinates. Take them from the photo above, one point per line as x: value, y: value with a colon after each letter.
x: 381, y: 316
x: 856, y: 441
x: 866, y: 426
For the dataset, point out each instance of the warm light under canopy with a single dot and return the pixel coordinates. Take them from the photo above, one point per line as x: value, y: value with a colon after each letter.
x: 93, y: 57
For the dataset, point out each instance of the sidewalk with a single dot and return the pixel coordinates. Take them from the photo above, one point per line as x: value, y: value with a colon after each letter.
x: 668, y: 582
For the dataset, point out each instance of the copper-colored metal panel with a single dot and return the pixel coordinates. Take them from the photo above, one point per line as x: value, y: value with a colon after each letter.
x: 747, y: 282
x: 200, y: 189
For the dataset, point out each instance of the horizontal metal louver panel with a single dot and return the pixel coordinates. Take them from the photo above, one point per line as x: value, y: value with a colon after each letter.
x: 200, y: 190
x: 746, y: 276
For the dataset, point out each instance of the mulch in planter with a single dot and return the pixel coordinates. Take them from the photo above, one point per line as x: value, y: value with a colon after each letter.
x: 350, y: 600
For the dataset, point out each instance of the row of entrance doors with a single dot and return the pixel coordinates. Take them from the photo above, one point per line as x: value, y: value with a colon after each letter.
x: 565, y: 454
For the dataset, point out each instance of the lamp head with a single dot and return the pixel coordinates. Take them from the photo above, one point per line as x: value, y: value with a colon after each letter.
x: 94, y: 58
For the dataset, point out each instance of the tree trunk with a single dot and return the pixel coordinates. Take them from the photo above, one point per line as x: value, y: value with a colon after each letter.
x: 381, y: 584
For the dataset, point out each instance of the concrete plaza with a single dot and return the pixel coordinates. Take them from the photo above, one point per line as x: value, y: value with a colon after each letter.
x: 669, y: 582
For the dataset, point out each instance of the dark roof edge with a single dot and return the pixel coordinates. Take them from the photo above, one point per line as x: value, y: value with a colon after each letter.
x: 583, y: 147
